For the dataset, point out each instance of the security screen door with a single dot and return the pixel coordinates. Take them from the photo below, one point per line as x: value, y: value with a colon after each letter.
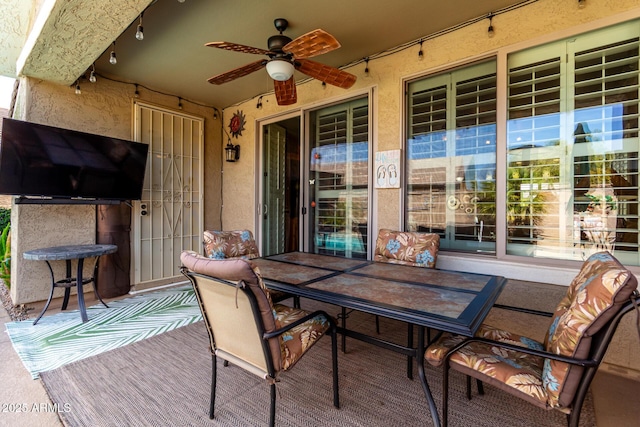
x: 168, y: 218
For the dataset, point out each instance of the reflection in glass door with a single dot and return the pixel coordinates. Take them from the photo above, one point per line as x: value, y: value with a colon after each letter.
x: 338, y: 180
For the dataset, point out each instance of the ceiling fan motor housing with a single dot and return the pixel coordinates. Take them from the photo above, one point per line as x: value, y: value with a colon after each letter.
x: 277, y: 42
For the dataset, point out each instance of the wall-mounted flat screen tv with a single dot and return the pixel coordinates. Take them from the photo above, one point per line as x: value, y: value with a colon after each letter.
x: 48, y: 162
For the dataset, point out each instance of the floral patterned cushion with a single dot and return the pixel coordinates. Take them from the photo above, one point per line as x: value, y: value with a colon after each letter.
x: 230, y: 244
x: 405, y: 247
x: 235, y: 244
x: 297, y: 340
x: 592, y: 299
x: 505, y: 369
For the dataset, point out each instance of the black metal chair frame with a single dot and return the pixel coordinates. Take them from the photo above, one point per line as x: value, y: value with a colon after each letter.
x: 265, y: 344
x: 599, y: 344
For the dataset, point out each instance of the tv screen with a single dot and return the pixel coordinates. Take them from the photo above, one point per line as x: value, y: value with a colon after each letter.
x: 45, y: 161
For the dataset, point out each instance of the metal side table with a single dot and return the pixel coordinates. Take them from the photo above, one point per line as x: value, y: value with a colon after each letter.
x: 69, y: 253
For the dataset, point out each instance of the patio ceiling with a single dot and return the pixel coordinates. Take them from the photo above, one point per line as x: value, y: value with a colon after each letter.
x: 70, y: 35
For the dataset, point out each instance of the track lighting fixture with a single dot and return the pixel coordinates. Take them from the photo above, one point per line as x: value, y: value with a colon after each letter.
x: 78, y: 91
x: 215, y: 113
x: 490, y: 31
x: 259, y: 104
x: 366, y: 67
x: 582, y: 3
x: 112, y: 58
x: 139, y: 30
x: 136, y: 94
x: 420, y: 52
x: 92, y: 75
x: 179, y: 103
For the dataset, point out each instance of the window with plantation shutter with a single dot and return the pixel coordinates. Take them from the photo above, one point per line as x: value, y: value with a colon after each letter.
x: 572, y: 141
x: 339, y: 166
x: 450, y: 157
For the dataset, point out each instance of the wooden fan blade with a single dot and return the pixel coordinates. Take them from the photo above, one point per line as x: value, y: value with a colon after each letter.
x: 325, y: 73
x: 238, y: 48
x: 312, y: 44
x: 285, y: 91
x: 238, y: 72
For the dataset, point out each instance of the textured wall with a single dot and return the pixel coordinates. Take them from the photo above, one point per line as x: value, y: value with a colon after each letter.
x: 16, y: 19
x: 74, y: 34
x: 104, y: 108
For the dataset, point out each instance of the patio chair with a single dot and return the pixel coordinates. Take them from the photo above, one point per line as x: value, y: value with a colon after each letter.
x: 234, y: 244
x: 404, y: 247
x: 407, y: 248
x: 246, y: 329
x: 556, y: 373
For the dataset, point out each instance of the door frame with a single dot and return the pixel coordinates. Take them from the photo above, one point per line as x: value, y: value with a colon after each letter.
x: 259, y: 166
x: 136, y: 204
x: 303, y: 115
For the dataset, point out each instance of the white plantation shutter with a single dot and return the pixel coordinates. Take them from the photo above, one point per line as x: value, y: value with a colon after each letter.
x: 450, y: 157
x: 572, y: 137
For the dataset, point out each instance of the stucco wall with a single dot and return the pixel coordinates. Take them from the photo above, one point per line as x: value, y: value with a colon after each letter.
x: 103, y: 108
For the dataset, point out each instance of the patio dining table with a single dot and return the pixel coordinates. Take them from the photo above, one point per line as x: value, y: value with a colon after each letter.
x: 448, y: 301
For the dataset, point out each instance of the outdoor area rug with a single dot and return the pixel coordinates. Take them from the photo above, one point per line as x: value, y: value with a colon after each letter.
x: 62, y: 338
x: 166, y: 380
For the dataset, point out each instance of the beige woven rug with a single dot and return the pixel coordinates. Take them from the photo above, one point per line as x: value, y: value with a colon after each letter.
x: 165, y: 381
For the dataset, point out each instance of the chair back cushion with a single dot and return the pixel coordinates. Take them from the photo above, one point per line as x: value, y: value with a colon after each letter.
x: 230, y: 244
x: 227, y: 310
x: 594, y: 297
x: 406, y: 247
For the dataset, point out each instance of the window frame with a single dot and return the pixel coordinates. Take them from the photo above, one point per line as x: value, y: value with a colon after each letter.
x: 501, y: 54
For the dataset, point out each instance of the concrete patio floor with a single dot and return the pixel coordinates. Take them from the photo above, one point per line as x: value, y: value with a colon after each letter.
x: 25, y: 402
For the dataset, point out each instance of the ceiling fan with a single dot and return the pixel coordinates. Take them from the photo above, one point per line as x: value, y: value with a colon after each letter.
x: 286, y: 56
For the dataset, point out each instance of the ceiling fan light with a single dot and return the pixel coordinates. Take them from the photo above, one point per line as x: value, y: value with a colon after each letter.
x: 280, y: 70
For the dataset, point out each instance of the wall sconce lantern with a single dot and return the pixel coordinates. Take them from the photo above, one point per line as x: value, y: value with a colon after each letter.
x: 232, y: 152
x: 236, y: 126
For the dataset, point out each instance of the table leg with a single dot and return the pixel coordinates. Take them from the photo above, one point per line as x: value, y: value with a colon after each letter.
x: 410, y: 345
x: 53, y: 287
x: 95, y: 283
x: 423, y: 378
x: 67, y: 289
x: 81, y: 306
x: 344, y: 326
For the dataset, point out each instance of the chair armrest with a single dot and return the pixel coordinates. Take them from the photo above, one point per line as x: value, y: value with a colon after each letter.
x: 524, y: 310
x: 309, y: 316
x: 541, y: 353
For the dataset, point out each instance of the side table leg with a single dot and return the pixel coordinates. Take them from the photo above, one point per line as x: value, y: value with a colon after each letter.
x: 94, y: 281
x: 53, y: 286
x: 81, y: 306
x: 67, y: 289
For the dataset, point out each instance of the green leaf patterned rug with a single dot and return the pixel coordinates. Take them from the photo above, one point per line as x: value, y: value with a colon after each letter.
x: 62, y: 338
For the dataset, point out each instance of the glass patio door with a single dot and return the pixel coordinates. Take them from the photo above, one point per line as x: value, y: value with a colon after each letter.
x: 338, y: 180
x: 273, y: 213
